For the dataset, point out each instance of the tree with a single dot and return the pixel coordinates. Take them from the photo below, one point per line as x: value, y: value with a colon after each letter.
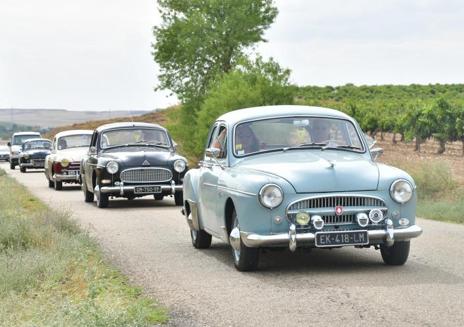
x: 250, y: 84
x: 199, y: 40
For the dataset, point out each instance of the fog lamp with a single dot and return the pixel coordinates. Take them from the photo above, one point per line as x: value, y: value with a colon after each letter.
x: 106, y: 181
x: 362, y: 219
x: 64, y: 163
x: 302, y: 218
x: 404, y: 221
x: 376, y: 215
x: 318, y: 222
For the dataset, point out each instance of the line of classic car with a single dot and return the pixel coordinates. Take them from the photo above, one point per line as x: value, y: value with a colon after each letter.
x: 294, y: 177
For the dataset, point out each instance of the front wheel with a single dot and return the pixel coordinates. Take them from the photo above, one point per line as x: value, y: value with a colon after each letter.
x: 397, y: 254
x: 57, y: 185
x: 22, y: 169
x: 51, y: 184
x: 245, y: 258
x: 102, y: 200
x: 179, y: 198
x: 12, y: 166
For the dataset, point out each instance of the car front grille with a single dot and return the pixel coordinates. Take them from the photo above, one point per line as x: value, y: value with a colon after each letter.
x: 38, y: 162
x: 146, y: 175
x: 324, y: 206
x: 75, y: 165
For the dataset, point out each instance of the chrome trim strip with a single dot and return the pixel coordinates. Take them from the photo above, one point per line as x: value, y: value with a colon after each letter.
x: 258, y: 240
x: 235, y: 190
x: 346, y: 210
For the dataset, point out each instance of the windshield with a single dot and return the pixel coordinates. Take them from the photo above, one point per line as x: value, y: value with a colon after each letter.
x: 74, y: 141
x: 36, y: 145
x: 295, y: 132
x: 134, y: 136
x: 19, y: 139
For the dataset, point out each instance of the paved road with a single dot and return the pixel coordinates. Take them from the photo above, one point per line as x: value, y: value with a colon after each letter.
x: 150, y: 242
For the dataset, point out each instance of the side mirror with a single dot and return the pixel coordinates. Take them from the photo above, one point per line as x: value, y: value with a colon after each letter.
x: 92, y: 150
x: 213, y: 153
x: 9, y: 144
x: 376, y: 153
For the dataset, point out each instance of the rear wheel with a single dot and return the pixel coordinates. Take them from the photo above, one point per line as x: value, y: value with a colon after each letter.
x: 22, y: 169
x: 397, y: 254
x: 12, y: 166
x: 200, y: 239
x: 245, y: 258
x: 88, y: 196
x: 51, y: 184
x: 158, y: 197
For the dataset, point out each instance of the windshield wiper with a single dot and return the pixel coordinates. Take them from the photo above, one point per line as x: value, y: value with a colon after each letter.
x: 157, y: 144
x: 305, y: 145
x: 346, y: 147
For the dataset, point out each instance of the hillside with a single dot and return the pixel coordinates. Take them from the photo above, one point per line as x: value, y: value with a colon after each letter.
x: 47, y: 118
x: 158, y: 117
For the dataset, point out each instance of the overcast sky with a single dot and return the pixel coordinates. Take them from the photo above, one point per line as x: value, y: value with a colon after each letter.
x: 95, y: 54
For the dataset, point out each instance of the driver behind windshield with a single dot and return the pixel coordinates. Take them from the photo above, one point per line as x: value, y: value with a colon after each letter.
x: 320, y: 131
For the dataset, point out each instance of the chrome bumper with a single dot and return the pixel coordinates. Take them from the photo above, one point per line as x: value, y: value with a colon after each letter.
x: 124, y: 189
x: 66, y: 178
x: 31, y: 165
x: 291, y: 238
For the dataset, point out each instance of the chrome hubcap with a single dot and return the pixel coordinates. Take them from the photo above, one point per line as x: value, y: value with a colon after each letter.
x: 193, y: 233
x: 234, y: 240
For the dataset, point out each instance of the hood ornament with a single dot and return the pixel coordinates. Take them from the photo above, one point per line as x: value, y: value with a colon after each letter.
x: 146, y: 163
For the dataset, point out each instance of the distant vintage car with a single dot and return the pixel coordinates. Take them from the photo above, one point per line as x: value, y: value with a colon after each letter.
x: 132, y: 160
x: 63, y: 163
x: 33, y: 153
x: 297, y: 176
x: 4, y: 153
x: 15, y: 144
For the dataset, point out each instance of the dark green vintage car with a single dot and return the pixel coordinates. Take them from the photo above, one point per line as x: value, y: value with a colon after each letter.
x: 132, y: 160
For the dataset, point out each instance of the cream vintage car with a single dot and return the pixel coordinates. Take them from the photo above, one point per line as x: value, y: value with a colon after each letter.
x: 63, y: 164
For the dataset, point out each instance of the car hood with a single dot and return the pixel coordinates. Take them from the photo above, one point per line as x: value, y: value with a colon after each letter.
x: 16, y: 148
x: 72, y: 154
x: 138, y: 158
x: 37, y: 153
x: 315, y: 171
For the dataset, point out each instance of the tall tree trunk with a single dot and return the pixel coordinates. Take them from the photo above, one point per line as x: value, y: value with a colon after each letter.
x: 402, y: 137
x: 462, y: 146
x: 394, y: 139
x: 381, y: 136
x: 441, y: 148
x: 418, y: 143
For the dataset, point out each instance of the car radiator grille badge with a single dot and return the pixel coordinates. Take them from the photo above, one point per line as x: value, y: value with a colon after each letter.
x: 146, y: 163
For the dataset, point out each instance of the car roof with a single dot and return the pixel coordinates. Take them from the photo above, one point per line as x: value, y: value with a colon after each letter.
x: 26, y: 133
x: 126, y: 125
x: 36, y: 139
x: 239, y: 115
x: 74, y: 132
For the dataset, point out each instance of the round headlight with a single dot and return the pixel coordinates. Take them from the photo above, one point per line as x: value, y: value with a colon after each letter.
x: 271, y: 196
x: 112, y: 167
x: 302, y: 218
x: 64, y: 163
x: 26, y: 156
x: 401, y: 191
x: 179, y: 165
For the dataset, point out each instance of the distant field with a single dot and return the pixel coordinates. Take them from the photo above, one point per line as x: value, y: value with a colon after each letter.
x: 45, y: 118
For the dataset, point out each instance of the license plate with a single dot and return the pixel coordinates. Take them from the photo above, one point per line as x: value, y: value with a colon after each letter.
x: 327, y: 239
x: 147, y: 189
x: 38, y: 163
x: 73, y: 172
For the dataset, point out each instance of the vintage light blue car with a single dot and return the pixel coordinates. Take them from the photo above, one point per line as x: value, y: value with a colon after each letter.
x: 297, y: 176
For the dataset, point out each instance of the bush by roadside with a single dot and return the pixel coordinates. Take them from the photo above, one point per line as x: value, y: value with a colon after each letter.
x: 53, y: 274
x: 440, y: 197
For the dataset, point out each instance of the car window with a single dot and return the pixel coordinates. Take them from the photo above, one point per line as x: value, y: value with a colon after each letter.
x: 219, y: 141
x: 37, y: 145
x: 134, y: 136
x: 19, y: 139
x: 278, y: 133
x: 73, y: 141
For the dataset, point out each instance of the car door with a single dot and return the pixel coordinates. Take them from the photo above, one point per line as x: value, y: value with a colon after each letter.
x: 90, y: 162
x: 211, y: 170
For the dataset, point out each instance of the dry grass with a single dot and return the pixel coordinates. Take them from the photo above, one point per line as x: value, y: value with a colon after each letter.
x: 53, y: 274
